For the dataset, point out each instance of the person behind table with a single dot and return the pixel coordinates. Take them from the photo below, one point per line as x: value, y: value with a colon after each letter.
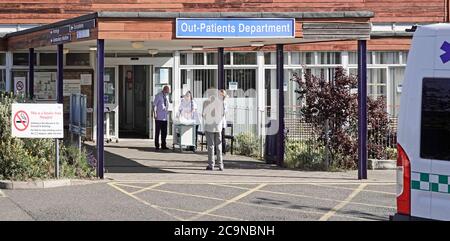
x: 188, y: 111
x: 161, y: 110
x: 188, y: 107
x: 212, y: 121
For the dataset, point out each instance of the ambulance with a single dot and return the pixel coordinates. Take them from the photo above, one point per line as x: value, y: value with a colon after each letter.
x: 423, y: 140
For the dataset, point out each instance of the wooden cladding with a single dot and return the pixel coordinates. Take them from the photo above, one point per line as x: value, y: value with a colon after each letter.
x: 48, y: 11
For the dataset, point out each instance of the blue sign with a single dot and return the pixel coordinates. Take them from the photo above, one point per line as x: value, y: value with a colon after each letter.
x: 445, y: 57
x: 235, y: 28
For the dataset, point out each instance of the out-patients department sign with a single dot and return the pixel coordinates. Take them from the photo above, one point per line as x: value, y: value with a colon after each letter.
x: 37, y: 121
x: 235, y: 28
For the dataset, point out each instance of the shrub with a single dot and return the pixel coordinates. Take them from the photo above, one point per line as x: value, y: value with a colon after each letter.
x: 332, y: 110
x: 305, y: 155
x: 247, y: 144
x: 27, y: 159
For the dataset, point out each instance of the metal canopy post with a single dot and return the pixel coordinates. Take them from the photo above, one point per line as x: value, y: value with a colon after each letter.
x: 220, y: 69
x: 362, y: 109
x: 280, y: 87
x: 59, y: 94
x: 31, y: 73
x: 100, y: 106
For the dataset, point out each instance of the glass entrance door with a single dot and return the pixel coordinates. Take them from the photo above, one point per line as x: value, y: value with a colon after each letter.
x: 111, y: 104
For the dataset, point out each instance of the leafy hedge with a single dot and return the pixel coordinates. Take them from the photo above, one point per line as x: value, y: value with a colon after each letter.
x: 27, y: 159
x: 247, y: 144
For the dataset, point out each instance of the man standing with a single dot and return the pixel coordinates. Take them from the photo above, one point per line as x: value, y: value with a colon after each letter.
x: 213, y: 116
x: 161, y: 109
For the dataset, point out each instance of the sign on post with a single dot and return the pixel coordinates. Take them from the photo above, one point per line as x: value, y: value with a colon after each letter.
x: 37, y: 121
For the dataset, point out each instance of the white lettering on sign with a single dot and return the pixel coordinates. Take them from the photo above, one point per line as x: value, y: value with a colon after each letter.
x: 37, y: 120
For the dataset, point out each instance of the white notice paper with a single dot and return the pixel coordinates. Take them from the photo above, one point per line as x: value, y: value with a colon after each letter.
x: 86, y: 79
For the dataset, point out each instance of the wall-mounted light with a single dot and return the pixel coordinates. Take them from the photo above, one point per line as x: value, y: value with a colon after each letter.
x: 137, y: 44
x: 257, y: 43
x: 65, y: 50
x: 197, y: 48
x: 152, y: 51
x: 92, y: 48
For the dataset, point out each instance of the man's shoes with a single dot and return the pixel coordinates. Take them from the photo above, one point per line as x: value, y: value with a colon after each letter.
x: 165, y: 148
x: 209, y: 168
x: 157, y: 148
x: 221, y: 168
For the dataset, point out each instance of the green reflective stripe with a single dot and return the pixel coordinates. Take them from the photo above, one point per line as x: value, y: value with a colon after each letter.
x: 430, y: 182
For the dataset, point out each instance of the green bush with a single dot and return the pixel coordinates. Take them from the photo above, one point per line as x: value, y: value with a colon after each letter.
x: 305, y: 155
x: 247, y: 144
x: 391, y: 153
x: 28, y: 159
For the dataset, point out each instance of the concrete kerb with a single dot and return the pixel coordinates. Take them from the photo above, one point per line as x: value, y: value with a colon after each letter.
x: 43, y: 184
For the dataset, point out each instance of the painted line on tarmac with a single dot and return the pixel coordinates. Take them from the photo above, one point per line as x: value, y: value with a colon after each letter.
x: 169, y: 181
x: 306, y: 196
x: 238, y: 197
x: 348, y: 188
x: 151, y: 188
x: 145, y: 202
x: 2, y: 194
x: 148, y: 188
x: 241, y: 203
x: 343, y: 203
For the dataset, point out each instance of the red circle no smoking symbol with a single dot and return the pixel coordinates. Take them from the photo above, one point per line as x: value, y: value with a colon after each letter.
x: 21, y: 120
x: 19, y: 85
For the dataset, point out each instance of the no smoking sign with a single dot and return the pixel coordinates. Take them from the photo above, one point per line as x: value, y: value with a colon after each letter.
x: 21, y: 120
x: 37, y: 120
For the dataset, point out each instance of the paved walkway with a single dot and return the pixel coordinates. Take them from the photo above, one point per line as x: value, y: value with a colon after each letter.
x: 137, y: 160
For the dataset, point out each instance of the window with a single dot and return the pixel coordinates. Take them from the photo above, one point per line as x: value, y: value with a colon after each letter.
x: 22, y: 59
x: 183, y: 59
x: 245, y: 78
x: 47, y: 59
x: 211, y: 58
x: 2, y: 59
x: 302, y: 58
x: 329, y: 58
x: 199, y: 59
x: 376, y: 83
x: 2, y: 80
x: 435, y: 126
x: 353, y: 58
x: 203, y: 79
x: 387, y: 57
x: 77, y: 59
x: 244, y: 58
x: 267, y: 58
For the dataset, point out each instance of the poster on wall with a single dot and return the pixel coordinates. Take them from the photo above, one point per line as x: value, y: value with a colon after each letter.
x: 72, y: 86
x: 86, y: 79
x: 45, y: 85
x: 163, y: 76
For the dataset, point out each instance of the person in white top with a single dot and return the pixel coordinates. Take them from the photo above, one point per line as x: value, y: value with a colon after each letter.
x: 188, y: 108
x: 223, y: 95
x: 187, y: 113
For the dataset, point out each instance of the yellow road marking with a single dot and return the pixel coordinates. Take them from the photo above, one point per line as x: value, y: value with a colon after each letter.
x: 196, y: 212
x: 148, y: 188
x: 145, y: 202
x: 287, y: 182
x: 128, y: 185
x: 241, y: 203
x: 307, y: 196
x: 169, y: 208
x: 333, y: 211
x: 348, y: 188
x: 229, y: 201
